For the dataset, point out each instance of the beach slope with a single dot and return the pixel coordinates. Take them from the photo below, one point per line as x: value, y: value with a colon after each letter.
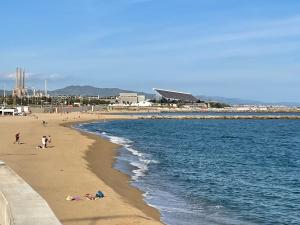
x: 73, y: 164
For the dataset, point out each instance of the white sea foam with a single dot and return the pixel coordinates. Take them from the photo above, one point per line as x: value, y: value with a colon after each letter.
x: 135, y: 152
x: 140, y: 171
x: 142, y: 160
x: 119, y: 140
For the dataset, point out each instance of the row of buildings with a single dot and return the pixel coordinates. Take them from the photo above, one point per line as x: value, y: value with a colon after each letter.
x: 167, y: 96
x: 124, y: 99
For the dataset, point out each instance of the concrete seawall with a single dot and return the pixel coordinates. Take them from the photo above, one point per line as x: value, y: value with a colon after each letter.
x: 20, y: 204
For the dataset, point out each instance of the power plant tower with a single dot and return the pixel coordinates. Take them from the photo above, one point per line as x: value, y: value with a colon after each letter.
x: 23, y: 80
x: 19, y: 90
x: 46, y: 94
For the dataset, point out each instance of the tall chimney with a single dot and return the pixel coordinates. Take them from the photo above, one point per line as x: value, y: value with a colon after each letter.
x: 20, y: 77
x: 17, y: 77
x: 46, y: 88
x: 23, y: 81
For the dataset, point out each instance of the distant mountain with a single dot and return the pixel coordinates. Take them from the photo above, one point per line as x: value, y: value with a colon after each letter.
x: 238, y: 101
x: 231, y: 101
x: 94, y: 91
x: 290, y: 104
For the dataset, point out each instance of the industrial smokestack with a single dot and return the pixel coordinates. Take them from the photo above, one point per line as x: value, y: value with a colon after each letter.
x: 17, y: 77
x: 20, y: 78
x: 46, y: 88
x: 23, y: 80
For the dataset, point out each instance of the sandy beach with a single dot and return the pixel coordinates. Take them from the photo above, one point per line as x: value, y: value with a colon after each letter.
x: 75, y: 163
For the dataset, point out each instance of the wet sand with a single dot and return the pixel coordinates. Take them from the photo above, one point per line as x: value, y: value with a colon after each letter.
x: 75, y: 163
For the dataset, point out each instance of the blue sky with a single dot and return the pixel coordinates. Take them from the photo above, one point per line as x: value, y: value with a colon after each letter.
x: 231, y: 48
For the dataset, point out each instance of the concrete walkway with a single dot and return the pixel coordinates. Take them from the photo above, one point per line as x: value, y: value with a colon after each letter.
x: 20, y: 204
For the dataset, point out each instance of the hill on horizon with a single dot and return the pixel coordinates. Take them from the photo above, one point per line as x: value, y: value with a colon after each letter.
x: 238, y: 101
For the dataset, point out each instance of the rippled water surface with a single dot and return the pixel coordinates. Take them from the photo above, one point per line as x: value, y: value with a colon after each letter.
x: 212, y: 171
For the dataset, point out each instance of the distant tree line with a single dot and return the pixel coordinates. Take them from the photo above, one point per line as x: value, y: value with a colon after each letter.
x: 218, y: 105
x: 40, y: 101
x: 180, y: 103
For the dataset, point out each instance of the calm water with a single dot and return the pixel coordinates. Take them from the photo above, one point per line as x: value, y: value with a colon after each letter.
x: 212, y: 171
x: 212, y: 114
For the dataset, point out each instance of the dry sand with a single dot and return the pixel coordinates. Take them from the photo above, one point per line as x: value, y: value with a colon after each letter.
x: 73, y: 164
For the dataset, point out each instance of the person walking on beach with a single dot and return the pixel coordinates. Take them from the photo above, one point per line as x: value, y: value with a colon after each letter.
x: 49, y: 139
x: 44, y: 123
x: 44, y: 142
x: 17, y: 138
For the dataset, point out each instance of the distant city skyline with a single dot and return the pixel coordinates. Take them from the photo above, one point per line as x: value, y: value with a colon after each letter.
x: 230, y: 48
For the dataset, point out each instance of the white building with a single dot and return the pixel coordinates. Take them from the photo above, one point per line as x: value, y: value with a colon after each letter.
x: 130, y: 99
x: 23, y: 109
x: 8, y: 111
x: 142, y: 104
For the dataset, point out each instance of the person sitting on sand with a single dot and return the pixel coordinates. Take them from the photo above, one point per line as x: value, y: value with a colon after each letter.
x: 17, y: 140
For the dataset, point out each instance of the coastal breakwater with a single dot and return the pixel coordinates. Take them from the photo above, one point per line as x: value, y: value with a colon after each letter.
x: 20, y: 204
x: 222, y: 117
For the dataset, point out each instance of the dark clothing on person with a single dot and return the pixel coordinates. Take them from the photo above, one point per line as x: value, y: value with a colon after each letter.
x: 17, y: 138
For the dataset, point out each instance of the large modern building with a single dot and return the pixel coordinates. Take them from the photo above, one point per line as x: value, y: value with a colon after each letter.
x: 20, y: 90
x: 175, y: 96
x: 130, y: 98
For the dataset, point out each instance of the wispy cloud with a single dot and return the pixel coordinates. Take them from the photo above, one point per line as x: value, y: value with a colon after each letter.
x: 41, y: 76
x: 195, y: 34
x: 267, y: 37
x: 269, y: 30
x: 32, y: 76
x: 7, y: 76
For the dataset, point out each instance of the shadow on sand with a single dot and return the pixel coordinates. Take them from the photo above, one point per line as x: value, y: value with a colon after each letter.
x: 22, y: 154
x: 94, y: 220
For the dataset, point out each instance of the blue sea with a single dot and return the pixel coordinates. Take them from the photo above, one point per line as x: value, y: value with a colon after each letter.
x: 212, y: 171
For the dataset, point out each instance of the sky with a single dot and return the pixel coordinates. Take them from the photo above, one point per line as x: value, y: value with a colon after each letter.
x: 246, y: 49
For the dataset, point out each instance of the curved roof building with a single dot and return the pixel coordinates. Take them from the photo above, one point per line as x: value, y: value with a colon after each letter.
x: 176, y: 96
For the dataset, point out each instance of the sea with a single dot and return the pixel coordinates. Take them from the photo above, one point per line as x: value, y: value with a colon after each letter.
x: 208, y: 172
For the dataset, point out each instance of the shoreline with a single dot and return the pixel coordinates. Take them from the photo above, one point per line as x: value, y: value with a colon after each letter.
x: 221, y: 117
x: 120, y: 182
x: 73, y: 165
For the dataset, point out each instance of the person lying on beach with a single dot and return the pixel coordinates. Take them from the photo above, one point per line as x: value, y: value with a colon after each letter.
x: 73, y: 198
x: 88, y: 196
x: 98, y: 195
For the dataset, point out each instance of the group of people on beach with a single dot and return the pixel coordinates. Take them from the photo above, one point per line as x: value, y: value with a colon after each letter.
x: 45, y: 141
